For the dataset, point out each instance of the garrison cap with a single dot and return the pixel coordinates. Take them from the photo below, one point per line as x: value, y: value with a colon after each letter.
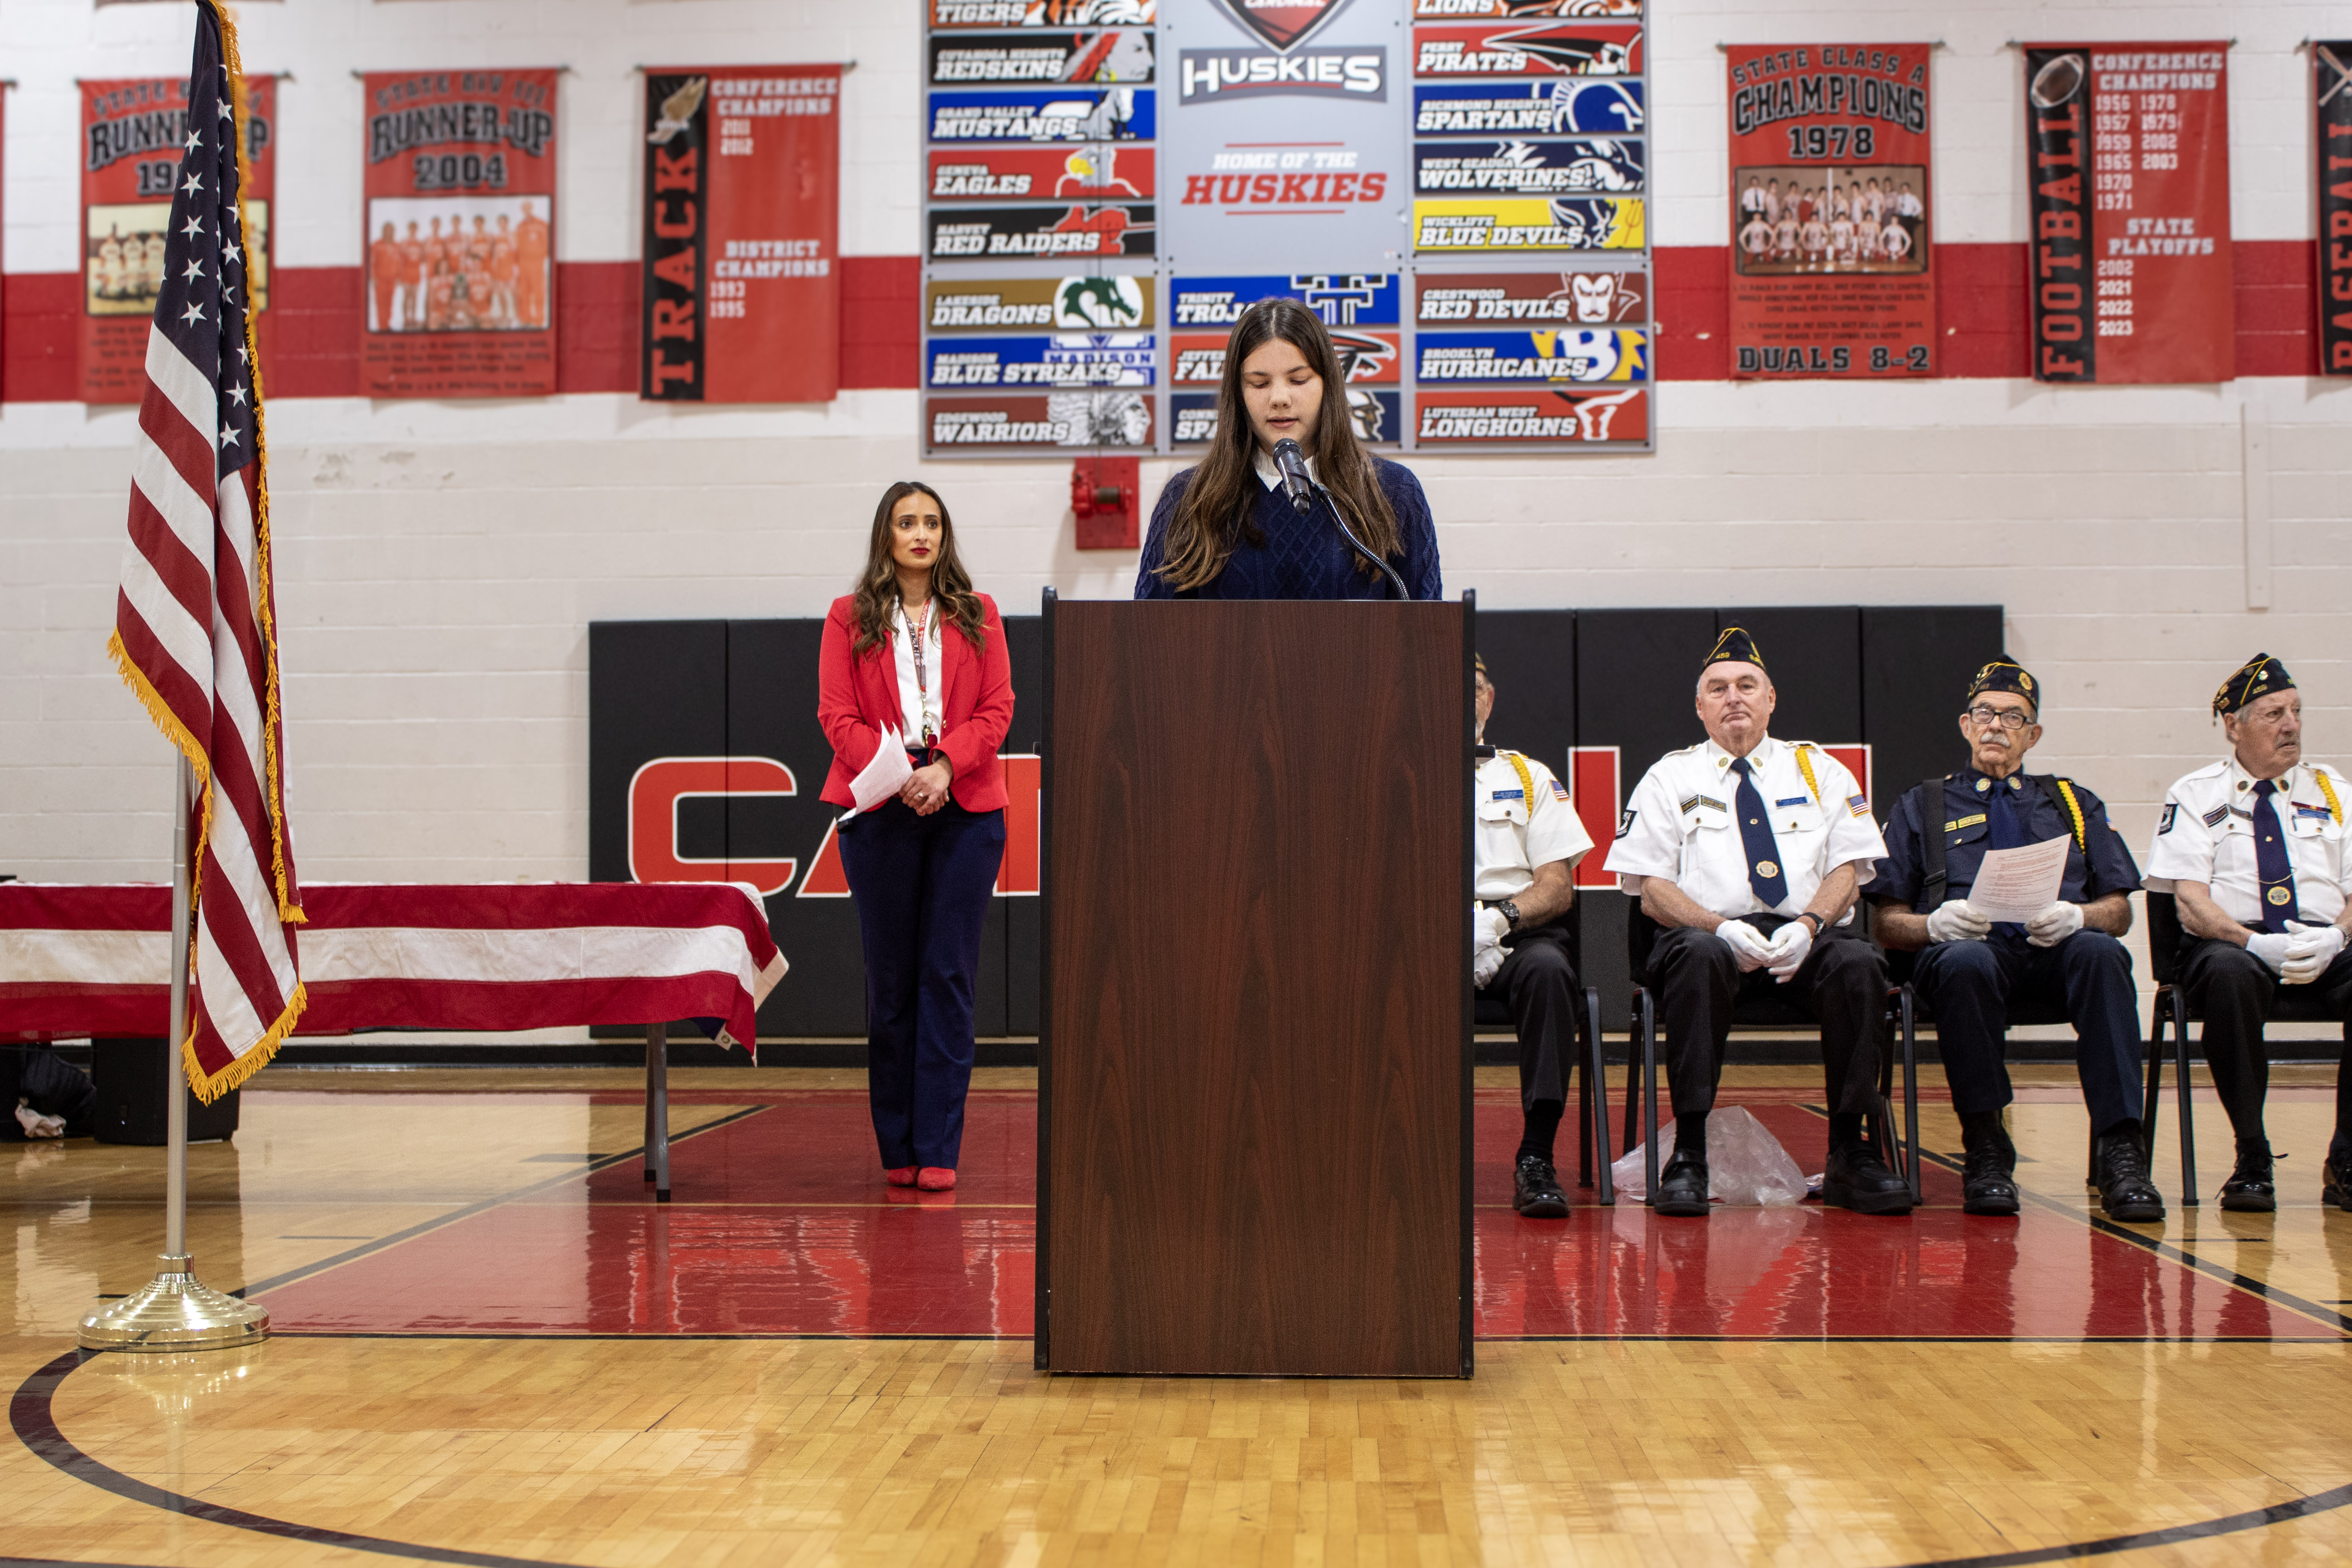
x: 1478, y: 662
x: 2006, y: 675
x: 1735, y: 646
x: 2257, y: 677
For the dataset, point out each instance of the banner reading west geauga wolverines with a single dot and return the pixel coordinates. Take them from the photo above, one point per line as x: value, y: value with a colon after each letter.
x: 460, y: 215
x: 741, y: 287
x: 2331, y: 88
x: 133, y: 133
x: 2127, y: 165
x: 1831, y: 274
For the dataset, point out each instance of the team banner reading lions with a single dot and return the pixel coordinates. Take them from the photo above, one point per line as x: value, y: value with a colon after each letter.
x: 1832, y: 274
x: 2333, y: 87
x: 741, y: 298
x: 459, y: 209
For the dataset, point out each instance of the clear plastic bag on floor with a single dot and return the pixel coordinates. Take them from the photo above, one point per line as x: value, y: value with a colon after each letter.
x: 1746, y: 1164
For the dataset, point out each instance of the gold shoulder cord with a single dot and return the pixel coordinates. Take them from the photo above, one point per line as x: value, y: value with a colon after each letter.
x: 1527, y: 781
x: 2075, y: 809
x: 1805, y: 767
x: 2334, y: 806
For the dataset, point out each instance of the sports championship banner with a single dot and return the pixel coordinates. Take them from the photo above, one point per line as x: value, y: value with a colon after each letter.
x: 1830, y: 272
x: 133, y: 133
x: 2332, y: 62
x: 742, y: 292
x: 2127, y: 165
x: 1482, y: 297
x: 459, y: 215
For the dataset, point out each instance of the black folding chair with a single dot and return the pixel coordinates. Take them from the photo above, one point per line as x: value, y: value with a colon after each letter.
x: 1591, y: 1083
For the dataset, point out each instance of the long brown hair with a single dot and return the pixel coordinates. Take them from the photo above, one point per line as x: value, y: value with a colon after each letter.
x: 877, y: 596
x: 1217, y: 511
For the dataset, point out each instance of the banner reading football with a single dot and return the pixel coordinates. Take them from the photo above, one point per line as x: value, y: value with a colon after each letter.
x: 1831, y: 271
x: 2333, y: 87
x: 741, y: 297
x: 460, y: 213
x: 2127, y: 168
x: 132, y: 136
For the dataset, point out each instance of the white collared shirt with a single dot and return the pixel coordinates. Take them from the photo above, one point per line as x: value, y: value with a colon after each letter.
x: 1514, y: 835
x: 1679, y: 825
x: 2206, y: 833
x: 1271, y: 477
x: 910, y: 693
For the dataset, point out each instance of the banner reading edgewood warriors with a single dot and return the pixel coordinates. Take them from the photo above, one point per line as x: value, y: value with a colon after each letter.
x: 2332, y: 89
x: 133, y: 134
x: 742, y: 216
x: 459, y: 239
x: 2128, y: 169
x: 1832, y: 274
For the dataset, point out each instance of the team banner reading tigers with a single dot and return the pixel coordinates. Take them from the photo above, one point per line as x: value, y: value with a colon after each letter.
x: 2333, y: 88
x: 133, y: 133
x: 1831, y: 274
x: 742, y: 216
x: 459, y: 208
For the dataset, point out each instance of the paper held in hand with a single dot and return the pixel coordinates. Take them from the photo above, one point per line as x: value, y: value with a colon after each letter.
x: 879, y: 779
x: 2018, y: 884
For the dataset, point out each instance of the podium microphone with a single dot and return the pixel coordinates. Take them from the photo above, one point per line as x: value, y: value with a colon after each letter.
x: 1293, y: 463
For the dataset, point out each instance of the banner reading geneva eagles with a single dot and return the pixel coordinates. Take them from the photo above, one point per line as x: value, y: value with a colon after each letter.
x: 2127, y: 161
x: 2333, y: 88
x: 741, y: 289
x: 132, y: 136
x: 460, y: 213
x: 1830, y: 270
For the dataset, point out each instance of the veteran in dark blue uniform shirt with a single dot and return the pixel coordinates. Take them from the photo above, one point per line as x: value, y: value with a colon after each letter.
x: 2067, y: 956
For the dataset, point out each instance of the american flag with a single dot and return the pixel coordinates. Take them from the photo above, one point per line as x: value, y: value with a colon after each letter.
x: 195, y: 635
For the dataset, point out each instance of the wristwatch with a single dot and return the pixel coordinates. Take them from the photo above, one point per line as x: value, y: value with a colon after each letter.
x: 1510, y: 910
x: 1809, y: 914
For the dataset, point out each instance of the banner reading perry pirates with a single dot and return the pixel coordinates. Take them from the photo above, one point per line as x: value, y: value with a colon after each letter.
x: 133, y: 133
x: 1831, y: 274
x: 2127, y: 167
x: 741, y: 299
x: 459, y: 213
x: 2333, y: 88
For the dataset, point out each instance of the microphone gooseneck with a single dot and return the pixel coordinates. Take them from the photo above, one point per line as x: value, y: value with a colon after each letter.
x: 1296, y: 480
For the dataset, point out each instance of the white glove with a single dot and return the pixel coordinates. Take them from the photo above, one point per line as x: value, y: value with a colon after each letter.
x: 2054, y: 924
x: 1487, y: 926
x: 1748, y: 943
x: 1957, y: 920
x: 2309, y: 950
x: 2270, y: 948
x: 1485, y: 964
x: 1789, y: 945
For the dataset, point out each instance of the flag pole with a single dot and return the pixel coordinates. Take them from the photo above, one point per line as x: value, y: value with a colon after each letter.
x: 175, y: 1311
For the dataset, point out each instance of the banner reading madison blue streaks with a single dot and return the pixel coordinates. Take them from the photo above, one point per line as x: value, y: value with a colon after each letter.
x: 1080, y: 114
x: 1586, y: 354
x: 1059, y: 360
x: 1341, y: 298
x: 1528, y: 108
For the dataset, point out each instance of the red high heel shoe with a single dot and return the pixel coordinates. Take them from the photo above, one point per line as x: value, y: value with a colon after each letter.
x: 903, y: 1175
x: 936, y: 1178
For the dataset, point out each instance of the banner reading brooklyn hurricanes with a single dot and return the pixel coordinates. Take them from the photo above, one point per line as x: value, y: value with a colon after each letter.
x: 2333, y: 90
x: 1832, y: 274
x: 459, y: 241
x: 133, y: 133
x: 742, y: 298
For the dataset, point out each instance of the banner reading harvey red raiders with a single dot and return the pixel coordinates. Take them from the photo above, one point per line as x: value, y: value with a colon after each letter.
x: 2332, y: 89
x: 460, y: 213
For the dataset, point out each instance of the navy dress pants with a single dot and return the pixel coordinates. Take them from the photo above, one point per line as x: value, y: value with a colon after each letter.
x: 922, y: 886
x: 1967, y: 986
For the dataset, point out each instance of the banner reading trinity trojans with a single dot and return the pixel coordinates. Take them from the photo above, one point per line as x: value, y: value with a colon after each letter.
x: 742, y: 298
x: 2332, y: 89
x: 459, y: 209
x: 1831, y: 271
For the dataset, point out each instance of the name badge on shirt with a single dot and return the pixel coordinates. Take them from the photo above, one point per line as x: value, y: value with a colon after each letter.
x: 1510, y: 795
x: 1791, y: 800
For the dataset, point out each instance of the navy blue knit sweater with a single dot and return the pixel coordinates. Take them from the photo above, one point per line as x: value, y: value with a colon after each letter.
x: 1303, y: 557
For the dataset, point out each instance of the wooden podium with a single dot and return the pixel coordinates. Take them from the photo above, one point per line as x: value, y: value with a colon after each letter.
x: 1253, y: 1118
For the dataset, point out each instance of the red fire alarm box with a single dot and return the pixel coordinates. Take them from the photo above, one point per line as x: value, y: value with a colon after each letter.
x: 1103, y: 493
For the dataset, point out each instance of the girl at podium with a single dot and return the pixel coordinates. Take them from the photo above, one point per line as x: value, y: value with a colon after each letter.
x: 914, y: 660
x: 1239, y: 526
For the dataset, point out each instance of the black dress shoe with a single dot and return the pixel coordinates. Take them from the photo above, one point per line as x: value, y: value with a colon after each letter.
x: 1536, y: 1190
x: 2124, y: 1191
x: 2336, y: 1183
x: 1858, y: 1179
x: 2251, y: 1187
x: 1987, y: 1183
x: 1682, y: 1187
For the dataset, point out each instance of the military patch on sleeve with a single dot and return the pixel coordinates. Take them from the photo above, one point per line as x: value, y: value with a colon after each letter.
x: 2217, y: 816
x: 1625, y: 823
x: 2171, y: 809
x: 1858, y: 804
x: 1558, y: 790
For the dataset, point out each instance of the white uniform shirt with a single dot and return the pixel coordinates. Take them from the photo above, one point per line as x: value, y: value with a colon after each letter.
x: 1516, y: 835
x: 2206, y: 833
x: 1270, y: 475
x: 910, y: 692
x: 1679, y: 825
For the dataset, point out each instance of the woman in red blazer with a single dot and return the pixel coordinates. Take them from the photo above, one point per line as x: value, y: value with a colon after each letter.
x: 915, y: 659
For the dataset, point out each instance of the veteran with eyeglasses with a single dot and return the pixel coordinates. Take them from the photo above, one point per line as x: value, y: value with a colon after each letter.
x: 2068, y: 956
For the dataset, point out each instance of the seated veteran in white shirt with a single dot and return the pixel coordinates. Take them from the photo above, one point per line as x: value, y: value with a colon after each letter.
x: 1750, y: 851
x: 2253, y: 849
x: 1528, y: 842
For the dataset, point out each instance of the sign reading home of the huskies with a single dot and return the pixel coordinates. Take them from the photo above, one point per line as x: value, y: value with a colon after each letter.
x: 2333, y: 92
x: 1103, y: 173
x: 1078, y: 230
x: 1480, y: 298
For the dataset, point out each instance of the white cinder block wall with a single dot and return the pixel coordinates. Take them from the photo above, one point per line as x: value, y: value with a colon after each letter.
x: 440, y: 563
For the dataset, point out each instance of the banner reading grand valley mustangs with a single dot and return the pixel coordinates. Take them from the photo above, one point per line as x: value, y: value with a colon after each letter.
x: 742, y: 285
x: 132, y: 136
x: 2333, y: 88
x: 2128, y: 163
x: 1831, y: 268
x: 460, y: 234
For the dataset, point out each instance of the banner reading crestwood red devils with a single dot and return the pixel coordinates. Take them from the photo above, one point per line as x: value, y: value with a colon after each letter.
x: 2333, y: 88
x: 742, y: 286
x: 1830, y: 270
x: 2127, y: 163
x: 459, y: 215
x: 133, y: 133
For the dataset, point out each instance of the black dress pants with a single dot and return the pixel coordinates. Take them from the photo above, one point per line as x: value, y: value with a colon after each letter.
x: 54, y: 1088
x: 1842, y: 984
x: 2231, y: 990
x: 1538, y: 983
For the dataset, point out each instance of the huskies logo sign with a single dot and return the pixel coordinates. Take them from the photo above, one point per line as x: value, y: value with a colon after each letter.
x: 1283, y: 24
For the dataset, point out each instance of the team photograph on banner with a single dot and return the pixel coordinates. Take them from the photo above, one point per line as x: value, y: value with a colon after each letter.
x: 458, y: 211
x: 2332, y: 92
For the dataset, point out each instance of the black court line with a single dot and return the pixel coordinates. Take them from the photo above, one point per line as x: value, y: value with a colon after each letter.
x: 643, y: 1338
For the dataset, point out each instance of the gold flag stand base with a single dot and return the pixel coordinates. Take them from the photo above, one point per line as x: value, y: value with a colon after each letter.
x: 174, y: 1312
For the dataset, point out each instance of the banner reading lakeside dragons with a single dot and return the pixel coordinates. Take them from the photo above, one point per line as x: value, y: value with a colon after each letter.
x: 1832, y: 274
x: 459, y: 209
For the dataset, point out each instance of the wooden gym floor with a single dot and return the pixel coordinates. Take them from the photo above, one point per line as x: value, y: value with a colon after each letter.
x: 493, y: 1348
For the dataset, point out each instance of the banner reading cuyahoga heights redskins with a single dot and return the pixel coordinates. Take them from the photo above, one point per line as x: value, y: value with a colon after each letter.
x: 460, y: 213
x: 133, y: 134
x: 2332, y: 89
x: 2128, y: 170
x: 742, y: 216
x: 1832, y: 274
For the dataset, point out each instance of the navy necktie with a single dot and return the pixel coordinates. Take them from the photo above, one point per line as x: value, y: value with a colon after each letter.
x: 2003, y: 833
x: 2277, y: 872
x: 1756, y: 835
